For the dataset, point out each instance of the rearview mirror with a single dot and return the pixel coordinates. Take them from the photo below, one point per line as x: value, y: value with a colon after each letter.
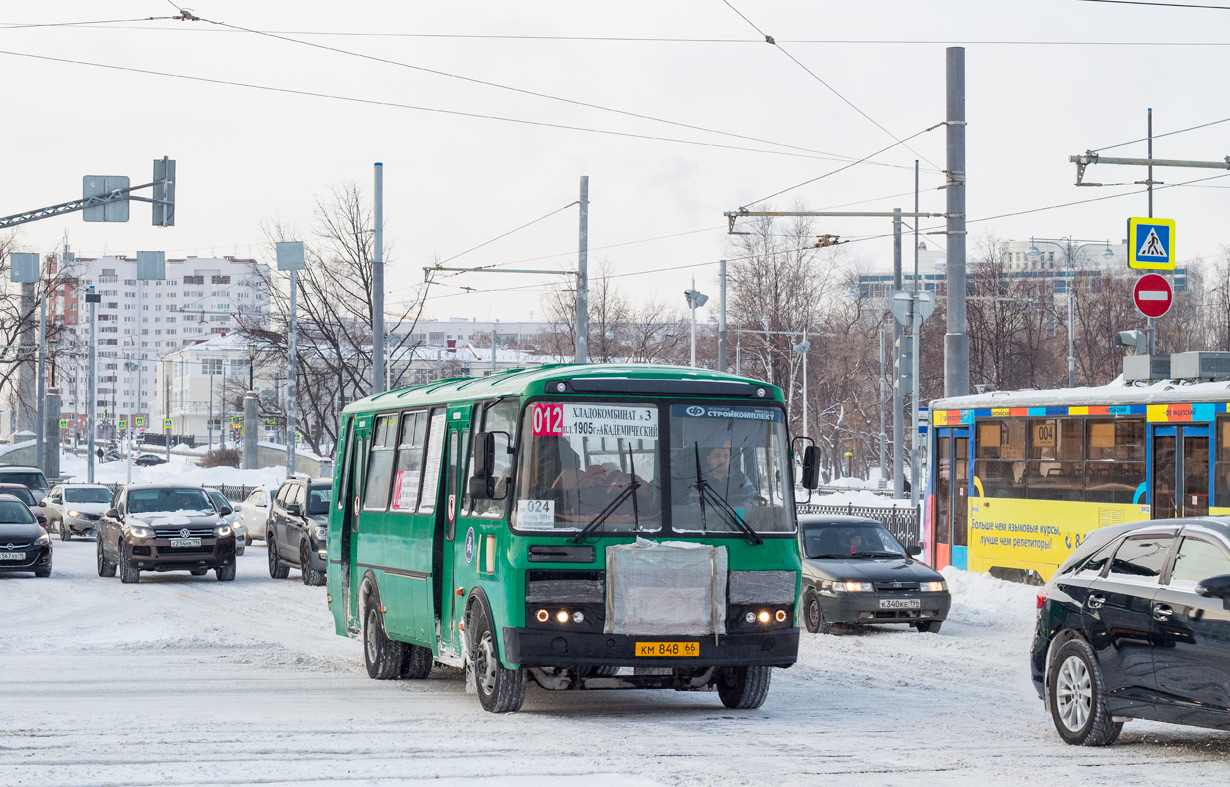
x: 294, y: 509
x: 913, y: 550
x: 1215, y: 587
x: 811, y: 467
x: 227, y: 511
x: 112, y: 513
x: 483, y: 485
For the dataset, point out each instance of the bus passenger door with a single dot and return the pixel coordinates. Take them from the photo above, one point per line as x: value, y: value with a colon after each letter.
x: 951, y: 529
x: 1179, y: 471
x: 452, y: 607
x: 352, y: 494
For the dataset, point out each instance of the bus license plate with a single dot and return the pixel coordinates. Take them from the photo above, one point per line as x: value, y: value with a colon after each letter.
x: 900, y: 603
x: 185, y: 542
x: 661, y: 649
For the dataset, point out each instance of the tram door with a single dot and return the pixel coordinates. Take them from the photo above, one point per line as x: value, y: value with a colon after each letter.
x: 951, y: 468
x: 1179, y: 471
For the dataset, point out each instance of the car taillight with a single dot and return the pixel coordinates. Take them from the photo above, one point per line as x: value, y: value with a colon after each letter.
x: 1041, y: 598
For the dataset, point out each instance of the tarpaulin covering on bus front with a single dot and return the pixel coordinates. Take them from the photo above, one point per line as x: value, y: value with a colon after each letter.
x: 666, y: 588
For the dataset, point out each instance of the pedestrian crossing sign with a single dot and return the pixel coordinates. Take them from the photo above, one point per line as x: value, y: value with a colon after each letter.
x: 1151, y: 244
x: 166, y: 423
x: 63, y: 423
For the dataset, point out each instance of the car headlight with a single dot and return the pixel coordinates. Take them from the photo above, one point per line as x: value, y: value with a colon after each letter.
x: 933, y: 587
x: 75, y: 514
x: 322, y: 533
x: 223, y: 531
x: 44, y: 539
x: 138, y: 531
x: 852, y: 587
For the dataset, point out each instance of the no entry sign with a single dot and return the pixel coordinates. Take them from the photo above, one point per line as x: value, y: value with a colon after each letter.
x: 1152, y: 295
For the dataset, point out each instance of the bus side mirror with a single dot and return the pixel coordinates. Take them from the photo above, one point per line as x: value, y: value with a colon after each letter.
x: 811, y: 467
x: 483, y: 485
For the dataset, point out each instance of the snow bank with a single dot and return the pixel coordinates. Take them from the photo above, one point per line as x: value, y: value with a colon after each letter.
x: 177, y: 471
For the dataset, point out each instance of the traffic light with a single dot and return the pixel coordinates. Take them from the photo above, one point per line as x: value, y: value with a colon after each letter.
x: 903, y: 363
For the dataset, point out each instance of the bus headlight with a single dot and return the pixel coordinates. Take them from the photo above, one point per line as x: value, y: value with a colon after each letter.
x: 562, y: 616
x: 763, y: 617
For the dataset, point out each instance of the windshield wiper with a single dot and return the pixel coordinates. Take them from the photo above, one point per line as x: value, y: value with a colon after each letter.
x: 718, y: 502
x: 625, y: 493
x: 876, y: 554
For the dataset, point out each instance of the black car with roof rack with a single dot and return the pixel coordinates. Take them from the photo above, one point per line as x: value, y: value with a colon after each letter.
x: 1135, y: 624
x: 165, y: 527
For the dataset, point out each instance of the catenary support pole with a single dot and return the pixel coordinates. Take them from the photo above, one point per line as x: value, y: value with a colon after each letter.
x: 377, y: 288
x: 722, y: 321
x: 916, y: 390
x: 883, y: 433
x: 51, y: 459
x: 40, y: 444
x: 92, y: 385
x: 956, y: 342
x: 292, y: 382
x: 250, y: 430
x: 1150, y: 324
x: 898, y: 392
x: 582, y: 346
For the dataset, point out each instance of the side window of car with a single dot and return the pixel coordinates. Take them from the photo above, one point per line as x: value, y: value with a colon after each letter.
x: 119, y: 503
x: 1198, y: 560
x: 1141, y: 558
x: 1094, y: 565
x: 282, y: 492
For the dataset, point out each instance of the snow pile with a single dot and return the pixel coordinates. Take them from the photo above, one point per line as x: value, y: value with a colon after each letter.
x: 176, y: 471
x: 858, y: 497
x: 983, y: 600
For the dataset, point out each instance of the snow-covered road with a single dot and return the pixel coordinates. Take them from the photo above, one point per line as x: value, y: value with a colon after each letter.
x: 184, y: 680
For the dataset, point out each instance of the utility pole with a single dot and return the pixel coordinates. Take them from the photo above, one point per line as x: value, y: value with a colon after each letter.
x: 722, y: 321
x: 377, y: 292
x: 916, y: 331
x: 898, y: 392
x: 40, y: 449
x: 956, y: 342
x: 582, y: 348
x: 290, y: 258
x: 883, y: 396
x: 92, y: 298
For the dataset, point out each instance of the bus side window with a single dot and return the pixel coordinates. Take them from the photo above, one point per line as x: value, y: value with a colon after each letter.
x: 344, y: 478
x: 380, y: 464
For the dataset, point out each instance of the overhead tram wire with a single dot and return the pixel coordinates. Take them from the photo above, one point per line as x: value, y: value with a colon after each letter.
x: 114, y: 23
x: 436, y: 110
x: 511, y: 88
x: 1159, y: 136
x: 846, y: 167
x: 1161, y: 5
x: 506, y: 234
x: 771, y: 41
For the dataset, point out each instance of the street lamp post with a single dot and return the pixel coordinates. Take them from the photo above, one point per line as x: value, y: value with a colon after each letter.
x: 695, y: 300
x: 1065, y: 245
x: 801, y: 348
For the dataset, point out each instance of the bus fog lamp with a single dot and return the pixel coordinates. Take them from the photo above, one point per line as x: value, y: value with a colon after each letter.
x: 763, y: 617
x: 543, y: 616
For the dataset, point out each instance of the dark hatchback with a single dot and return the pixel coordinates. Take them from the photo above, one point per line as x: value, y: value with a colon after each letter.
x: 1136, y: 625
x: 24, y: 544
x: 856, y: 572
x: 164, y: 527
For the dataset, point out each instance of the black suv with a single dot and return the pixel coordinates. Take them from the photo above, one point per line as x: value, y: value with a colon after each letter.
x: 297, y: 527
x: 164, y: 527
x: 1136, y: 625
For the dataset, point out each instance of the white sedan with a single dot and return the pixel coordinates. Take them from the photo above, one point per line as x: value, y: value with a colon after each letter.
x: 255, y: 511
x: 232, y: 519
x: 74, y: 509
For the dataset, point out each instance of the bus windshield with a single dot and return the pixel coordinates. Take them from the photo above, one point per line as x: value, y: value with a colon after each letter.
x: 595, y: 465
x: 728, y: 461
x: 584, y: 460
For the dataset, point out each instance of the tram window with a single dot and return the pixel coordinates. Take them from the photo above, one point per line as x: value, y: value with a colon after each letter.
x: 1001, y: 479
x: 1221, y: 470
x: 1115, y: 440
x: 1054, y: 480
x: 1056, y: 439
x: 1000, y: 457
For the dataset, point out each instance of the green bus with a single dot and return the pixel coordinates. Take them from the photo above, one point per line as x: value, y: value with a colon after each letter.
x: 580, y: 526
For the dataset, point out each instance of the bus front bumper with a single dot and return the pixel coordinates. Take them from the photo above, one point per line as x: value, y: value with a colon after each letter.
x: 539, y: 648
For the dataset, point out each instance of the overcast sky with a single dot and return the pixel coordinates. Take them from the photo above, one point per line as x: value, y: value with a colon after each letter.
x: 247, y: 155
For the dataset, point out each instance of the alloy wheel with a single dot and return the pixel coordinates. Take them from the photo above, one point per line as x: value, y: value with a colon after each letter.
x: 1074, y: 693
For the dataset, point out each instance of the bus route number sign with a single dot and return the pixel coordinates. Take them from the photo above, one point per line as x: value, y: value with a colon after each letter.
x: 548, y: 420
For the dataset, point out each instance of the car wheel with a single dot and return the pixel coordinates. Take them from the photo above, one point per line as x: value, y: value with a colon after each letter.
x: 225, y: 573
x: 929, y: 625
x: 1078, y: 697
x: 500, y: 690
x: 416, y: 663
x: 743, y: 688
x: 382, y: 656
x: 277, y: 569
x: 105, y: 567
x: 65, y: 533
x: 813, y: 615
x: 247, y: 539
x: 129, y: 574
x: 43, y: 572
x: 310, y: 575
x: 199, y: 572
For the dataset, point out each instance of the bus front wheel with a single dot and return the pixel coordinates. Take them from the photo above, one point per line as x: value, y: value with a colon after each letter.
x: 500, y: 690
x: 743, y: 688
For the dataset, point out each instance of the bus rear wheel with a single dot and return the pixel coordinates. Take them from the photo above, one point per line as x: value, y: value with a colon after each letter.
x: 416, y: 663
x: 382, y: 656
x: 743, y: 688
x: 500, y: 690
